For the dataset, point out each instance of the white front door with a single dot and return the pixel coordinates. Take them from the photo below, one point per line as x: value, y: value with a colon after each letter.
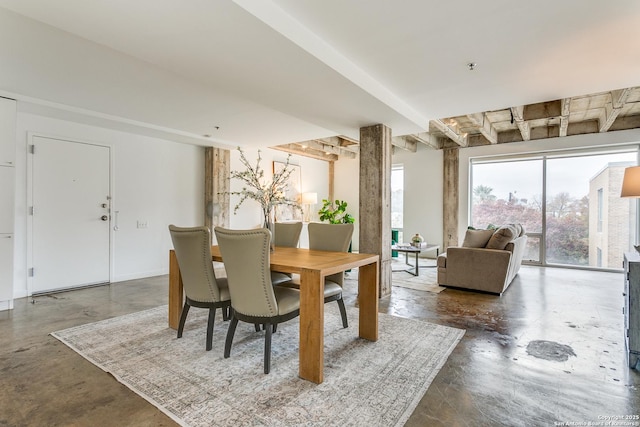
x: 70, y: 229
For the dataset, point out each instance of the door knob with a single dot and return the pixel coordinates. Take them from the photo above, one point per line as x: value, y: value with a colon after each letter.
x: 104, y: 217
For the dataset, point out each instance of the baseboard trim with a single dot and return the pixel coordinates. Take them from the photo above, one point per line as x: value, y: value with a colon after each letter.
x: 143, y: 275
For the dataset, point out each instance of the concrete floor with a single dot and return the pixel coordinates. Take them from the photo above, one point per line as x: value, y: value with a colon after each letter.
x: 550, y: 350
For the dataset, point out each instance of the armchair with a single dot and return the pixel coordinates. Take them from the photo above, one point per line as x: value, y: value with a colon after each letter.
x: 487, y: 261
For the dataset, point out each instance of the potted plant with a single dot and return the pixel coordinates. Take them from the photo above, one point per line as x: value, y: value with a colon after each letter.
x: 335, y: 212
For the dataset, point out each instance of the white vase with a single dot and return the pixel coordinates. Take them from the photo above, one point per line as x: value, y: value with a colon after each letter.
x: 417, y: 240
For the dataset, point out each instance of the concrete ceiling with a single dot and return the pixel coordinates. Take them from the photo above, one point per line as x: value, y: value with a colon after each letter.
x: 264, y: 73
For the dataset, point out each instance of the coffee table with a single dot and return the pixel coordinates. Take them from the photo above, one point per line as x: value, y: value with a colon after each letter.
x: 407, y: 249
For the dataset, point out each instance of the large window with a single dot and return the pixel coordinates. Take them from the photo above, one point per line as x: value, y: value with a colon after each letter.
x: 507, y: 192
x: 569, y: 204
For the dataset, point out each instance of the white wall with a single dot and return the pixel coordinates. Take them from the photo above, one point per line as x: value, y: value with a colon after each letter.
x: 423, y: 191
x: 155, y: 180
x: 422, y: 210
x: 346, y: 187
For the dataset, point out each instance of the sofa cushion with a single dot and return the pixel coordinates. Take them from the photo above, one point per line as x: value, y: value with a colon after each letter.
x: 477, y: 238
x: 503, y: 236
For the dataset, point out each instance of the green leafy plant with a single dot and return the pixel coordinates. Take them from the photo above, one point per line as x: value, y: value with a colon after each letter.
x: 335, y: 212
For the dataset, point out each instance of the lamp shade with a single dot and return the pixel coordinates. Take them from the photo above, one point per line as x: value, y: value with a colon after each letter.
x: 309, y: 198
x: 631, y: 182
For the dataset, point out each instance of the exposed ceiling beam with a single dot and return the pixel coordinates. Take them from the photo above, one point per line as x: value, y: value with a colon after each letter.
x: 320, y: 145
x: 518, y: 116
x: 345, y: 141
x: 626, y: 122
x: 340, y: 142
x: 428, y: 139
x: 485, y: 126
x: 542, y: 110
x: 406, y: 142
x: 602, y: 112
x: 565, y: 108
x: 309, y: 152
x: 611, y: 111
x: 452, y: 134
x: 478, y: 139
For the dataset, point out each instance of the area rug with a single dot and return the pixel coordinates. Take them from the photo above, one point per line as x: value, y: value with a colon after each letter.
x: 365, y: 383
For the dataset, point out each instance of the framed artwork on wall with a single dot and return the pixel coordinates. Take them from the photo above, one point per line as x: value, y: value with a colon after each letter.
x: 283, y: 212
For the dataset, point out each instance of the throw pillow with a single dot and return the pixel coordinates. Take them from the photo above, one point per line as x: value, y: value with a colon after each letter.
x: 477, y: 238
x: 502, y: 237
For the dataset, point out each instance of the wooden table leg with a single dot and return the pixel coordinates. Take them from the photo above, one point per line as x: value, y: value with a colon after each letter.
x: 175, y: 291
x: 311, y: 326
x: 368, y: 301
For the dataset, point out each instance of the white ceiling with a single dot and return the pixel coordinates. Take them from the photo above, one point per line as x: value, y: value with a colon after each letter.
x: 281, y: 71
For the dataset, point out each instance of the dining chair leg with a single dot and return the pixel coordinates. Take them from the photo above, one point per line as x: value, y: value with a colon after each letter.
x: 343, y: 313
x: 225, y: 313
x: 210, y: 322
x: 275, y: 327
x: 267, y: 348
x: 183, y: 318
x: 230, y: 332
x: 257, y: 326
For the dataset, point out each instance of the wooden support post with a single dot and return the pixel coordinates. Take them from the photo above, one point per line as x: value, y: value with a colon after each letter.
x: 375, y: 198
x: 451, y: 178
x: 216, y: 187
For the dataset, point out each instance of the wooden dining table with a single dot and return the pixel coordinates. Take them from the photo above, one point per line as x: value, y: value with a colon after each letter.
x: 312, y: 266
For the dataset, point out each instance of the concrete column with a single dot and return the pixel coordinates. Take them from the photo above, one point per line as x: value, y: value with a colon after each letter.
x: 451, y: 178
x: 375, y: 198
x: 217, y: 172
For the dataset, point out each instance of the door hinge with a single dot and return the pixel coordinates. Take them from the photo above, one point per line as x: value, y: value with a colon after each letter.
x: 32, y: 149
x: 31, y: 210
x: 31, y: 272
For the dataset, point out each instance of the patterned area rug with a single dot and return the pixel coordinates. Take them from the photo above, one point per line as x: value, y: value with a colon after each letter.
x: 366, y: 383
x: 426, y: 280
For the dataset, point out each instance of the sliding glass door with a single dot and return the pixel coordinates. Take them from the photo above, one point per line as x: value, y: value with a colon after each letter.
x: 569, y: 204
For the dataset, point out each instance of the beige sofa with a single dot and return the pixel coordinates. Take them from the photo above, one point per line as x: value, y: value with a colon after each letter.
x: 488, y: 260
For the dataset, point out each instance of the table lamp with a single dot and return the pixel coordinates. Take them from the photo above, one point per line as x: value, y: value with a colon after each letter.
x: 308, y: 199
x: 631, y: 186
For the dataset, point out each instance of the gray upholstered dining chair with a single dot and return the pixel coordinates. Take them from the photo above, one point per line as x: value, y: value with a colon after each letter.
x: 202, y: 288
x: 287, y: 234
x: 330, y: 237
x: 254, y: 299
